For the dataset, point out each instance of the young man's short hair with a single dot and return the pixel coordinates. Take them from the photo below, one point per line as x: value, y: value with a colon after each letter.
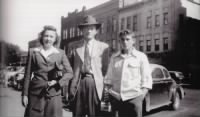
x: 126, y: 32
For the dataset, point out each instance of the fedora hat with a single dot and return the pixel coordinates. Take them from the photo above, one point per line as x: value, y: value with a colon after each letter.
x: 89, y: 20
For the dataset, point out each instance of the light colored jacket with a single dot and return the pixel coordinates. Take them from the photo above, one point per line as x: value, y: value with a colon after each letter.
x: 98, y: 64
x: 129, y: 74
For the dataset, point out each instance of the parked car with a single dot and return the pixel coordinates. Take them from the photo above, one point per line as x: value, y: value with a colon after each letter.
x: 10, y: 75
x: 19, y: 79
x: 177, y: 76
x: 165, y: 90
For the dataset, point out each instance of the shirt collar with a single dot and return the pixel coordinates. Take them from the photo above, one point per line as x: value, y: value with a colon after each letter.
x: 89, y: 43
x: 52, y: 50
x: 133, y: 53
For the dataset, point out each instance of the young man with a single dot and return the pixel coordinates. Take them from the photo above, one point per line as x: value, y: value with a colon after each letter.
x: 130, y: 77
x: 87, y: 84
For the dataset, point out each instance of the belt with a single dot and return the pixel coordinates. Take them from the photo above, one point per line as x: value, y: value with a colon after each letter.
x: 83, y: 75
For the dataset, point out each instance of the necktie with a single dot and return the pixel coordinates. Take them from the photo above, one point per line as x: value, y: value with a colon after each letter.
x: 87, y: 60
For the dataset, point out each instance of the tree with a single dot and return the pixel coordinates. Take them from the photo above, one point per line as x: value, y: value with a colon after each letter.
x: 9, y: 53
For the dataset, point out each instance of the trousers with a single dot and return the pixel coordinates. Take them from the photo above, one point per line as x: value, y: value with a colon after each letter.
x: 129, y: 108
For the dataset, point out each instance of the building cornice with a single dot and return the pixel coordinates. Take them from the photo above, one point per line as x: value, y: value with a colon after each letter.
x: 192, y: 1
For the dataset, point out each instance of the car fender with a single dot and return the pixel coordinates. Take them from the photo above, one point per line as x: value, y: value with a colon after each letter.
x: 173, y: 90
x: 177, y: 88
x: 181, y: 91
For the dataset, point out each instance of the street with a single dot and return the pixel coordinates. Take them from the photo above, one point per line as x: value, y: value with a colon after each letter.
x: 10, y: 102
x: 189, y: 106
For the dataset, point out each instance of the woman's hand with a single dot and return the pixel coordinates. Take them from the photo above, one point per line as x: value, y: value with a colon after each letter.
x: 24, y: 101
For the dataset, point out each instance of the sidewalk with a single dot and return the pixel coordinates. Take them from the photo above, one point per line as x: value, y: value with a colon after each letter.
x: 10, y: 104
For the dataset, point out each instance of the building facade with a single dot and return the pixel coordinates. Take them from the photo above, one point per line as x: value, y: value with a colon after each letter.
x: 33, y: 43
x: 70, y: 33
x: 156, y: 23
x: 163, y: 29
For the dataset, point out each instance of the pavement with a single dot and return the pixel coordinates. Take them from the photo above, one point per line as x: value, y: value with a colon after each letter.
x: 10, y: 104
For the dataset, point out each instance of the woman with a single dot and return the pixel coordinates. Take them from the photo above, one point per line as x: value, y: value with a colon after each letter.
x: 47, y: 71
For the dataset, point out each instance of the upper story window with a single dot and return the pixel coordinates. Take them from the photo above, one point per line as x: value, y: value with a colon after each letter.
x: 128, y: 25
x: 64, y: 33
x: 135, y: 23
x: 109, y: 25
x: 157, y: 44
x: 157, y: 20
x: 78, y: 32
x: 141, y: 45
x: 122, y: 23
x: 102, y: 28
x: 70, y: 33
x: 165, y: 43
x: 148, y: 45
x: 114, y: 25
x: 165, y: 18
x: 149, y: 23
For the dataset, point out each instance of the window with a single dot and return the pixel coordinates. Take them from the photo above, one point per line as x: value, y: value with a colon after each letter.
x: 102, y: 28
x: 141, y: 45
x: 165, y: 18
x: 148, y: 45
x: 148, y: 22
x: 114, y: 46
x: 109, y: 25
x: 135, y: 23
x: 157, y: 21
x: 166, y: 73
x: 128, y: 25
x: 157, y: 44
x: 70, y: 32
x: 64, y: 35
x: 78, y: 32
x: 122, y: 23
x: 165, y: 43
x: 114, y: 24
x: 157, y: 74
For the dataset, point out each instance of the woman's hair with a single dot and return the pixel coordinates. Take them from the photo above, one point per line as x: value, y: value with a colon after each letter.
x: 51, y: 28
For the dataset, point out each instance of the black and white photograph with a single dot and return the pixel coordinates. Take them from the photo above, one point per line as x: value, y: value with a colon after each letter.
x: 99, y: 58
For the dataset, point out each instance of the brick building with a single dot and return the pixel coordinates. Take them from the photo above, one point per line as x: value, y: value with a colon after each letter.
x: 164, y: 28
x: 157, y: 24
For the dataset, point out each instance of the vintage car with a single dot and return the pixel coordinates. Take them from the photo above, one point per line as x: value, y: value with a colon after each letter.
x: 11, y: 76
x: 19, y: 77
x: 165, y: 90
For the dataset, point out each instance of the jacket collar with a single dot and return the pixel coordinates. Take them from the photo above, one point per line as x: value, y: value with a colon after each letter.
x: 40, y: 49
x: 81, y: 50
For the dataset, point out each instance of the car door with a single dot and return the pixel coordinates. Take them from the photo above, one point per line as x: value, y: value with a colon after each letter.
x: 168, y: 83
x: 159, y: 95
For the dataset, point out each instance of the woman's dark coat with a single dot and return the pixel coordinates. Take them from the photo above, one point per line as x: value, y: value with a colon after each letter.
x: 39, y: 71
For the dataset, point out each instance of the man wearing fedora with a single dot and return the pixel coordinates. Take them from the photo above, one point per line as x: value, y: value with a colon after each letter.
x: 87, y: 84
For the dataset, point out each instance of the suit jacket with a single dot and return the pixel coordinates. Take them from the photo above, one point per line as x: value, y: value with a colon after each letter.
x: 99, y: 65
x: 42, y: 70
